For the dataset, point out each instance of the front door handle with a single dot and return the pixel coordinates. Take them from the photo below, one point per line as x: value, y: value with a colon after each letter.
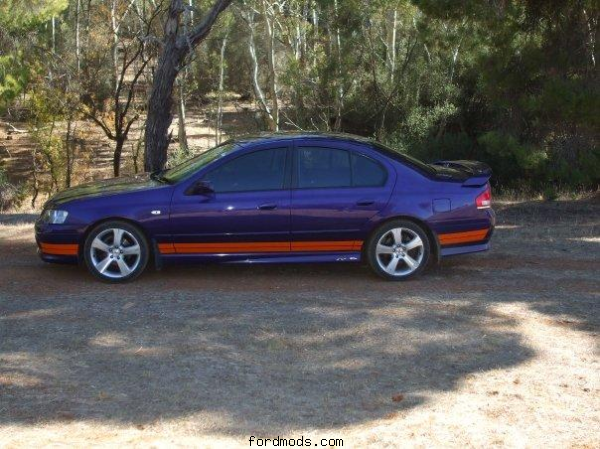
x: 268, y: 206
x: 365, y: 202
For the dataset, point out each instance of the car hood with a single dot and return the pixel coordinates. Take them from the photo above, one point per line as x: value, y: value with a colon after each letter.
x: 105, y: 187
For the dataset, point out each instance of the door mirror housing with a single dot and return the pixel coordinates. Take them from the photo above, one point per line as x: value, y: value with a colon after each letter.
x: 200, y: 188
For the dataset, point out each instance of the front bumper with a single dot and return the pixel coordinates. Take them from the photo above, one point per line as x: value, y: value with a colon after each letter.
x: 58, y: 243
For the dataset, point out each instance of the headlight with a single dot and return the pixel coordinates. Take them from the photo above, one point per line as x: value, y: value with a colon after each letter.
x: 54, y: 216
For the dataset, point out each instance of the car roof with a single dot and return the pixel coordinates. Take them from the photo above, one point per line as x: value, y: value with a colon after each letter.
x: 291, y: 135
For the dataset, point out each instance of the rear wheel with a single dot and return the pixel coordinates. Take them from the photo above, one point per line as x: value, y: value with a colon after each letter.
x: 116, y: 251
x: 398, y: 250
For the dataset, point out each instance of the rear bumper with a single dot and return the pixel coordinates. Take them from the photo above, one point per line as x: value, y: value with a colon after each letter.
x: 464, y: 238
x: 465, y: 249
x: 455, y: 247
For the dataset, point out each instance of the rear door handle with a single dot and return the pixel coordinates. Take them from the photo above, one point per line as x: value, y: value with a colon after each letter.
x: 365, y: 202
x: 268, y: 206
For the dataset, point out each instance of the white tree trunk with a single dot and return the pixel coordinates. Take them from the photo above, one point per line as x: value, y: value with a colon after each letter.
x: 393, y: 46
x: 270, y: 28
x: 339, y: 98
x: 53, y: 34
x: 221, y: 87
x: 77, y: 36
x: 115, y: 37
x: 181, y: 132
x: 255, y: 72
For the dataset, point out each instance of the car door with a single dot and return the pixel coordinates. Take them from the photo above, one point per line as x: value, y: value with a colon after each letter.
x: 247, y: 211
x: 337, y: 189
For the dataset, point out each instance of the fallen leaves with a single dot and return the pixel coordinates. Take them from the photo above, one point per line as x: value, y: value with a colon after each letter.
x: 398, y: 397
x: 65, y: 416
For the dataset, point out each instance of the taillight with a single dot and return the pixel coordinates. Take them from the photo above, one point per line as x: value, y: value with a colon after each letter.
x: 484, y: 200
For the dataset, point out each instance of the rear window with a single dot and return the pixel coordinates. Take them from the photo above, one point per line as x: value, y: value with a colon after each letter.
x: 320, y: 168
x: 366, y: 172
x: 404, y: 158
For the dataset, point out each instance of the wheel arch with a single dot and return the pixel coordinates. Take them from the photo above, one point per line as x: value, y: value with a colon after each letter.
x: 435, y: 242
x: 92, y: 226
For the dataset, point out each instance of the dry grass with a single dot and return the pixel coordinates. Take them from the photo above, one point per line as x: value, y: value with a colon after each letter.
x: 522, y: 195
x: 499, y: 349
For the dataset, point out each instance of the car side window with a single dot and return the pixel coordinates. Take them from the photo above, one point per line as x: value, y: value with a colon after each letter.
x: 323, y: 167
x: 259, y: 170
x: 366, y: 172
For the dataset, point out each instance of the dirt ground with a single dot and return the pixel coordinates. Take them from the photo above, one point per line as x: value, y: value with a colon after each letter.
x: 497, y: 349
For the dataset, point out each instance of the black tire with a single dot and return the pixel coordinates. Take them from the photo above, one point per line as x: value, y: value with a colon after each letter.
x: 420, y: 254
x: 114, y: 270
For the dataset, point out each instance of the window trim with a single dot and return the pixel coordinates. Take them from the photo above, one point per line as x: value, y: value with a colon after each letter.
x: 325, y: 146
x: 286, y: 170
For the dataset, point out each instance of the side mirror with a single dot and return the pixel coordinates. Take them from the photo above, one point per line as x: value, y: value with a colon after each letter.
x: 200, y: 188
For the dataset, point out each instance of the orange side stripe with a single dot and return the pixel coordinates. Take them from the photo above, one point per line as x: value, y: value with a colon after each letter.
x: 166, y: 248
x: 347, y: 245
x: 257, y: 247
x: 59, y: 249
x: 237, y: 247
x: 463, y: 237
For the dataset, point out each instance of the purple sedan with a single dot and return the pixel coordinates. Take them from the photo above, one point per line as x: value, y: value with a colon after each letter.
x: 272, y: 199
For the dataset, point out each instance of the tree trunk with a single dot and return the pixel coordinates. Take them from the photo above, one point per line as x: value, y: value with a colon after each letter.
x: 159, y: 110
x: 258, y: 92
x: 393, y: 46
x: 270, y: 27
x: 69, y: 151
x: 77, y: 37
x: 115, y: 45
x: 181, y: 133
x: 53, y: 34
x: 339, y: 91
x: 117, y: 155
x: 221, y: 87
x: 176, y: 46
x: 35, y: 181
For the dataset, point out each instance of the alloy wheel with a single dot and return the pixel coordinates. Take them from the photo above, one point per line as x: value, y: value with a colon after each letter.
x: 399, y: 252
x: 115, y: 253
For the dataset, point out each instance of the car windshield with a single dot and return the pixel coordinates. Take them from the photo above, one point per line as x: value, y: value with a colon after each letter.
x: 194, y: 164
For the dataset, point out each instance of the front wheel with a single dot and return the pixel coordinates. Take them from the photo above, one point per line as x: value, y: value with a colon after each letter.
x: 116, y: 251
x: 398, y: 250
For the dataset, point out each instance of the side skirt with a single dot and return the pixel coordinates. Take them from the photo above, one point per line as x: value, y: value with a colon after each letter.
x: 353, y: 256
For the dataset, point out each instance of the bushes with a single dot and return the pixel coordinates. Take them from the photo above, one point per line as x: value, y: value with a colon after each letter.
x: 573, y: 160
x: 11, y: 195
x: 515, y: 164
x: 564, y: 162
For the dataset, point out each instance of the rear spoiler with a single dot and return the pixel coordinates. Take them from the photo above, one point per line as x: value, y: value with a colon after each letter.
x: 477, y: 173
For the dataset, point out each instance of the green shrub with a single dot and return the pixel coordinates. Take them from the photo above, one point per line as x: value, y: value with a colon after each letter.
x: 573, y: 161
x: 550, y: 193
x: 11, y: 195
x: 514, y: 163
